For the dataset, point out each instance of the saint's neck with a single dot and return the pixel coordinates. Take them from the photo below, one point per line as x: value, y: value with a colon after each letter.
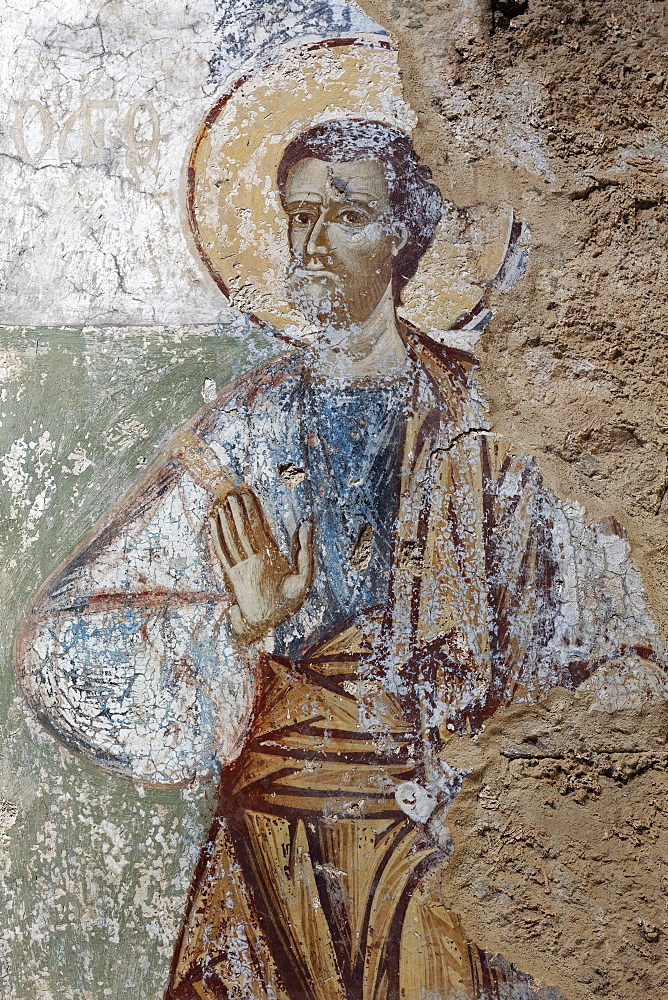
x: 372, y: 350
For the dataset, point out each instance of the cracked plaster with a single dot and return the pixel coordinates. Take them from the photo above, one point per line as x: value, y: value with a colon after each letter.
x: 112, y: 269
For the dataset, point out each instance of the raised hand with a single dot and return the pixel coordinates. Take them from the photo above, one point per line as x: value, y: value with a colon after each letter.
x: 266, y: 585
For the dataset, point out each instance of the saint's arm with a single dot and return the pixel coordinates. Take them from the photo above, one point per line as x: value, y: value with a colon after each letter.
x: 126, y: 653
x: 565, y: 607
x: 615, y: 653
x: 570, y: 604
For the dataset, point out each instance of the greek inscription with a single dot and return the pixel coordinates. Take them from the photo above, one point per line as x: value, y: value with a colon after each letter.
x: 142, y: 136
x: 28, y: 115
x: 91, y: 122
x: 87, y: 135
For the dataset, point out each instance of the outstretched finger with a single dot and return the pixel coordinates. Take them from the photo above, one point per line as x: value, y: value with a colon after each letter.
x: 229, y: 534
x: 261, y: 533
x: 218, y: 543
x: 303, y: 552
x: 242, y: 525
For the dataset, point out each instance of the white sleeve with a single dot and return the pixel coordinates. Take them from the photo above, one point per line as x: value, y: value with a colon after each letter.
x: 126, y: 655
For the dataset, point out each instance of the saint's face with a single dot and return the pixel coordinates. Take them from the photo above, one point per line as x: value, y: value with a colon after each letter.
x: 343, y: 239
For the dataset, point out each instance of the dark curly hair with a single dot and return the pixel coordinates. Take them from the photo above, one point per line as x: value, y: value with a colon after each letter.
x: 413, y: 197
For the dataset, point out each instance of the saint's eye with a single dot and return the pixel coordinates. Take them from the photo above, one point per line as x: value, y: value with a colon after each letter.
x: 302, y: 218
x: 351, y: 217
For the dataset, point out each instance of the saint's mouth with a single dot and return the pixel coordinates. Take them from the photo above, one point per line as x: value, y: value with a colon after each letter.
x: 308, y: 274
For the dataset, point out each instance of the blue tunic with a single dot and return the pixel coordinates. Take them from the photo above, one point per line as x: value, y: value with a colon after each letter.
x: 343, y: 444
x: 354, y: 438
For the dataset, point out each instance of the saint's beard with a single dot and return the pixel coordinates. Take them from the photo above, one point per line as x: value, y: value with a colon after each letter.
x: 322, y: 301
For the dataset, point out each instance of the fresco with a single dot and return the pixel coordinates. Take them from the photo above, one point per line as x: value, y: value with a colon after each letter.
x: 335, y: 567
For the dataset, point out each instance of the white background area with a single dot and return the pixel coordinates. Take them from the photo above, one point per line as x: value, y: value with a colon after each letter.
x: 101, y: 100
x: 92, y: 234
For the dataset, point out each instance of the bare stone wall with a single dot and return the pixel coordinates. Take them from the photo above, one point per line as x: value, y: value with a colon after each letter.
x: 562, y: 837
x: 559, y: 109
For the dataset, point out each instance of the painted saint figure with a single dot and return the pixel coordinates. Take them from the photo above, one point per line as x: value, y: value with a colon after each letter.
x: 335, y: 568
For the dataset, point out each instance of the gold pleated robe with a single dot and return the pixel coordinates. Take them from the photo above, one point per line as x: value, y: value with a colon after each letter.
x: 312, y: 884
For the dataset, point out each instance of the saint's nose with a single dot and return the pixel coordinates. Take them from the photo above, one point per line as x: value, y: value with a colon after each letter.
x: 317, y: 239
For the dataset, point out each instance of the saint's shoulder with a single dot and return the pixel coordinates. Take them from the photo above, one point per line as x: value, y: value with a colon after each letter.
x: 264, y: 386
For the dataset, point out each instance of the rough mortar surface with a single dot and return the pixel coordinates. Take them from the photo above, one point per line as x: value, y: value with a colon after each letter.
x: 561, y: 834
x: 560, y: 110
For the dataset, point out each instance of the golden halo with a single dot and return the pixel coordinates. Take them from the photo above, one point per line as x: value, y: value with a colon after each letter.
x: 235, y: 211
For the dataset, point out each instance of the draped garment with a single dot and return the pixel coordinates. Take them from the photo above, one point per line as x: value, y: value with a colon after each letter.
x: 311, y: 885
x: 313, y: 882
